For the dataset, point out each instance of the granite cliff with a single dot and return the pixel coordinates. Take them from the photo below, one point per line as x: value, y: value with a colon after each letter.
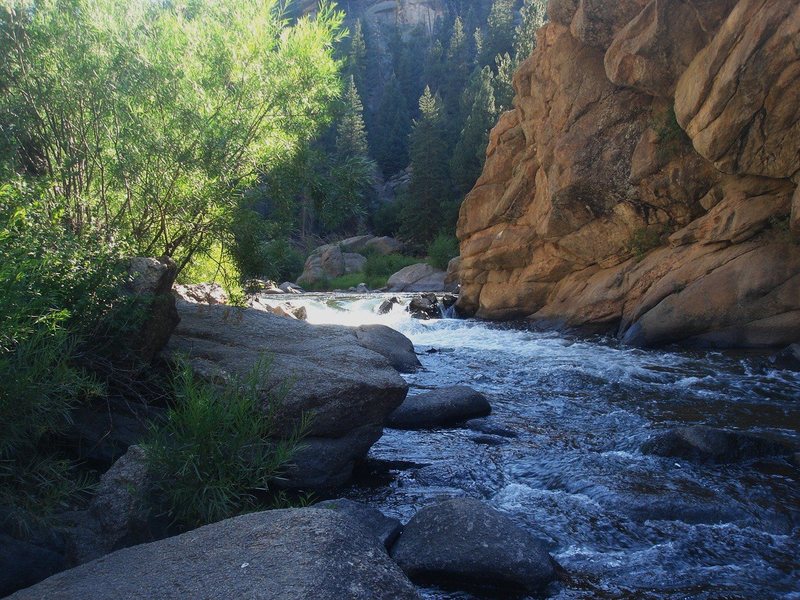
x: 646, y: 182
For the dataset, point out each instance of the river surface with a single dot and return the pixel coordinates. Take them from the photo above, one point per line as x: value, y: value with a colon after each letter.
x: 623, y: 524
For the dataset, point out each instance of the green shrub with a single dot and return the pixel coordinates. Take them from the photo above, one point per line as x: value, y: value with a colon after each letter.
x: 40, y: 388
x: 59, y: 305
x: 670, y: 135
x: 380, y: 267
x: 646, y: 239
x: 386, y: 219
x: 441, y: 250
x: 213, y: 457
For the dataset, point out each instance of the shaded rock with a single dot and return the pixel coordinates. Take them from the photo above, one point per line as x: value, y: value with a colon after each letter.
x: 464, y: 543
x: 425, y: 307
x: 118, y: 515
x: 453, y: 278
x: 387, y: 305
x: 417, y: 278
x: 102, y: 431
x: 439, y: 408
x: 449, y: 300
x: 391, y: 344
x: 151, y: 282
x: 291, y: 288
x: 323, y: 463
x: 384, y: 245
x: 202, y: 293
x: 334, y: 260
x: 23, y: 564
x: 707, y: 444
x: 356, y: 244
x: 385, y: 529
x: 300, y: 553
x: 788, y: 358
x: 353, y: 263
x: 348, y: 387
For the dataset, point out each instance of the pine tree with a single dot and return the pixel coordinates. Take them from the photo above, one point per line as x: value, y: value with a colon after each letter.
x: 457, y: 69
x: 480, y: 45
x: 500, y: 30
x: 357, y: 57
x: 470, y: 152
x: 429, y: 191
x: 390, y: 142
x: 503, y: 86
x: 351, y: 137
x: 533, y: 15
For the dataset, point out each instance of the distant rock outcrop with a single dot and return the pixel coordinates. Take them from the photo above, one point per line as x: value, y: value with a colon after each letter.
x: 646, y: 183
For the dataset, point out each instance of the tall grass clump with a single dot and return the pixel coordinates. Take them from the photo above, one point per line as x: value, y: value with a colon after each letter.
x: 214, y: 456
x: 57, y: 292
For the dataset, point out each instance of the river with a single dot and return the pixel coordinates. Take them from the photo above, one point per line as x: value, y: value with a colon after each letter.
x: 623, y: 524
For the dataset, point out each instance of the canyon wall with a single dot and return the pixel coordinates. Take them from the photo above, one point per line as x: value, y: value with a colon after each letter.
x: 406, y: 13
x: 646, y: 182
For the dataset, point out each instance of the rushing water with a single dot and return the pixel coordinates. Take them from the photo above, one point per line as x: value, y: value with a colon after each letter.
x: 623, y: 524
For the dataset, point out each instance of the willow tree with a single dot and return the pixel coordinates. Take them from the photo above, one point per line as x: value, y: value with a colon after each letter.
x: 143, y: 121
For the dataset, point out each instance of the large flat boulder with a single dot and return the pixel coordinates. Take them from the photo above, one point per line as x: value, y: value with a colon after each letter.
x: 342, y: 376
x: 462, y: 543
x: 417, y: 278
x: 282, y: 554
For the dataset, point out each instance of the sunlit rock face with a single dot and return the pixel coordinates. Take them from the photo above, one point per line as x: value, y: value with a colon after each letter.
x: 645, y: 184
x: 407, y: 13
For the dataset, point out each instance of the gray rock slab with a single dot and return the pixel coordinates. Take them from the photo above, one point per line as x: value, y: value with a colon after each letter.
x: 273, y: 555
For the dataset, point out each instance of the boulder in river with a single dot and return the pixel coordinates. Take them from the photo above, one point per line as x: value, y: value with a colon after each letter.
x: 386, y: 306
x: 440, y: 408
x: 385, y: 529
x: 788, y: 358
x: 392, y: 345
x: 279, y: 554
x: 342, y: 376
x: 464, y: 544
x: 708, y: 444
x: 425, y: 306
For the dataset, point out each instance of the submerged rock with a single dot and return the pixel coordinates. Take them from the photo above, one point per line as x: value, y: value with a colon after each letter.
x: 707, y: 444
x: 788, y: 358
x: 384, y: 528
x: 341, y: 376
x: 280, y: 554
x: 439, y: 408
x: 462, y: 544
x: 386, y: 306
